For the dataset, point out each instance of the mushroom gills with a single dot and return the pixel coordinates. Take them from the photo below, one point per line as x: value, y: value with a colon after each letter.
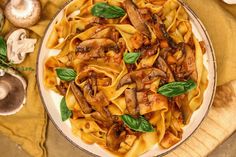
x: 18, y: 45
x: 12, y: 94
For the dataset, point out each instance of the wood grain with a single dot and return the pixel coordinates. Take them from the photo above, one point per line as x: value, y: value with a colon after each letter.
x: 219, y: 125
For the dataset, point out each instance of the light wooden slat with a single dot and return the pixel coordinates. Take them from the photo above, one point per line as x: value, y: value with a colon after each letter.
x: 218, y: 125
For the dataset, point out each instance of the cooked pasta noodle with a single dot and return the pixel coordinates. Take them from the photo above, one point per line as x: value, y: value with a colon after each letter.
x: 159, y: 34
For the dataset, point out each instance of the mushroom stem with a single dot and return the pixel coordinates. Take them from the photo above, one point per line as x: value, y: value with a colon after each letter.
x: 4, y: 90
x: 2, y: 72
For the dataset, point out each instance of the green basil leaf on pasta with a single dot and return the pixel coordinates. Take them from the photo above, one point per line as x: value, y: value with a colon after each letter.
x: 132, y: 57
x: 66, y: 74
x: 65, y: 112
x: 137, y: 124
x: 177, y: 88
x: 105, y: 10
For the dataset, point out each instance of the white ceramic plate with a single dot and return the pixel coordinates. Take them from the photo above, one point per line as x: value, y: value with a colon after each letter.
x: 51, y: 100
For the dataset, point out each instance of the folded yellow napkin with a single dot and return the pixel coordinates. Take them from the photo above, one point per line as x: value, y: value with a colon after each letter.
x: 27, y: 127
x: 219, y: 19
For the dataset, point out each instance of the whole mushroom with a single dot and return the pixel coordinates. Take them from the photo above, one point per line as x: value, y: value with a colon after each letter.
x: 18, y: 45
x: 1, y: 19
x: 23, y: 13
x: 12, y: 91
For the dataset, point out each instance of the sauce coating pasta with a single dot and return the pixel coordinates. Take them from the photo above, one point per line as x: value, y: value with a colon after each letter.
x: 131, y: 72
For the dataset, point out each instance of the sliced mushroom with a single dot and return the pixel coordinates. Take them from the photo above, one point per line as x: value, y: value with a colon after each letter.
x: 141, y: 77
x: 152, y: 75
x: 100, y: 119
x: 12, y: 92
x: 136, y: 18
x: 190, y: 62
x: 131, y: 101
x: 125, y: 80
x: 93, y: 82
x: 62, y: 88
x: 188, y: 67
x: 23, y: 13
x: 161, y: 64
x: 171, y: 42
x: 95, y: 48
x: 18, y: 45
x: 110, y: 33
x: 99, y: 102
x: 1, y: 19
x: 85, y: 107
x: 115, y: 135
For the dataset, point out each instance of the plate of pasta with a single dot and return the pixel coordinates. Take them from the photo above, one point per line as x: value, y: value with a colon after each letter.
x: 126, y: 77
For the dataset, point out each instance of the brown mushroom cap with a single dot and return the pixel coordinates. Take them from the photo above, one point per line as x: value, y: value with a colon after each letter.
x: 12, y: 94
x: 23, y: 21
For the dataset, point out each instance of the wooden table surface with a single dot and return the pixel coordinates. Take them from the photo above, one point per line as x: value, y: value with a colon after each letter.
x: 218, y: 125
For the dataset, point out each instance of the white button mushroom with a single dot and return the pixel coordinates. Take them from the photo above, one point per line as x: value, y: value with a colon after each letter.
x: 2, y: 72
x: 230, y: 1
x: 12, y: 92
x: 23, y: 13
x: 18, y: 45
x: 1, y: 19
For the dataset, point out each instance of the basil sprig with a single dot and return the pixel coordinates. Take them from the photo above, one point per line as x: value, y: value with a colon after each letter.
x: 3, y: 49
x: 3, y: 54
x: 137, y: 124
x: 132, y: 57
x: 176, y: 88
x: 66, y: 74
x: 105, y: 10
x: 65, y: 112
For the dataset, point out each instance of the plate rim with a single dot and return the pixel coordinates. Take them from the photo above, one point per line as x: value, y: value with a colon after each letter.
x: 186, y: 6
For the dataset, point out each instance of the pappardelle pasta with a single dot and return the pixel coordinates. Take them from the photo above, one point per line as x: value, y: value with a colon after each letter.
x: 131, y: 73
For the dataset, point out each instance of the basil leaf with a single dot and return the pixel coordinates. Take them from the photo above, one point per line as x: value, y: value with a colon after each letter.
x: 145, y: 125
x: 132, y: 57
x: 65, y: 112
x: 3, y: 49
x: 105, y: 10
x: 137, y: 124
x: 176, y: 88
x: 66, y: 74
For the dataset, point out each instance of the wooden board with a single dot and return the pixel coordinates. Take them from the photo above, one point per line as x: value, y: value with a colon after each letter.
x: 218, y: 126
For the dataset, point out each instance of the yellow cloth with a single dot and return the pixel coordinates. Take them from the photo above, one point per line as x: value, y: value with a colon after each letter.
x: 27, y: 127
x: 220, y: 21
